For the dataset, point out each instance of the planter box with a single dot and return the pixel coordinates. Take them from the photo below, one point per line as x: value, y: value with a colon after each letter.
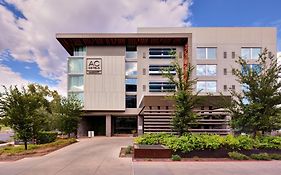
x: 152, y: 151
x: 223, y: 153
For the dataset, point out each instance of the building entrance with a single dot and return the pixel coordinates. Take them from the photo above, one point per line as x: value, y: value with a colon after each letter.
x: 124, y: 125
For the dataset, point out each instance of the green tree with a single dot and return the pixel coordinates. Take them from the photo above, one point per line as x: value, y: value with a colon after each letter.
x: 68, y: 114
x: 25, y: 110
x: 257, y: 106
x: 184, y: 97
x: 16, y: 112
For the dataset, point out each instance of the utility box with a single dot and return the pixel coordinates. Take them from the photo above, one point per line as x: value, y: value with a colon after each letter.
x: 91, y: 134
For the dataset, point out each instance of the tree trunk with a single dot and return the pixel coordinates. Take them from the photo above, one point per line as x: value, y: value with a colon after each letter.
x: 25, y: 144
x: 68, y: 135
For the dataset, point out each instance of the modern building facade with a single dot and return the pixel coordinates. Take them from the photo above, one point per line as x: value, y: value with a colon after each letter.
x: 118, y: 76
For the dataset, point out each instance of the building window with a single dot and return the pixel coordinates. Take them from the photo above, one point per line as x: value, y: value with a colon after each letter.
x: 233, y: 55
x: 131, y: 52
x: 161, y: 87
x: 159, y: 69
x: 209, y: 53
x: 77, y: 95
x: 225, y: 87
x: 131, y: 85
x: 76, y: 82
x: 206, y: 86
x: 131, y: 68
x: 206, y: 70
x: 224, y: 54
x: 162, y: 53
x: 233, y: 87
x: 251, y: 67
x: 131, y: 101
x: 75, y: 65
x: 79, y: 51
x: 250, y: 52
x: 225, y: 71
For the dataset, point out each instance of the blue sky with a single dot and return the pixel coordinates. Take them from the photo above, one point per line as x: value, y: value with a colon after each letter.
x: 29, y: 51
x: 256, y: 13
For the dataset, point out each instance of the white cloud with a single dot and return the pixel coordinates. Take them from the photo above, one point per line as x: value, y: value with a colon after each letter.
x: 37, y: 43
x: 8, y: 78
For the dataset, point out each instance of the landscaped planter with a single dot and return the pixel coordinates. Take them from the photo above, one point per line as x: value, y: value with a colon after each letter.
x: 152, y: 151
x: 223, y: 153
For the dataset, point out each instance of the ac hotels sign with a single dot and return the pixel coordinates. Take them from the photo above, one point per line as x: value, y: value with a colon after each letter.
x: 94, y: 66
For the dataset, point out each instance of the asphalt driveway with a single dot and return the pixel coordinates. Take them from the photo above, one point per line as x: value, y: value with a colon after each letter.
x: 99, y: 156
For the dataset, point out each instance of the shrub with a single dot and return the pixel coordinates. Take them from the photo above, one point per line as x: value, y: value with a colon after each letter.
x: 129, y: 149
x: 46, y: 137
x: 275, y: 156
x: 176, y: 157
x: 238, y: 156
x: 261, y: 156
x: 152, y: 139
x: 190, y: 142
x: 270, y: 142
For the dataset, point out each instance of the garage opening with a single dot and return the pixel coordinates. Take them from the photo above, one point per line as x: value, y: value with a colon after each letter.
x: 92, y: 123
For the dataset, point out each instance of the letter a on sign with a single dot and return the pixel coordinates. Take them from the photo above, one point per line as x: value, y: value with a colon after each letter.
x: 93, y: 66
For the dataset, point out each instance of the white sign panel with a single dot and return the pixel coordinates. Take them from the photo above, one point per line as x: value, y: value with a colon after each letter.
x: 93, y: 66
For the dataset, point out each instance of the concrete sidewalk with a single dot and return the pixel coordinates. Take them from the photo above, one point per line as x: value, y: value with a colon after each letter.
x: 208, y: 168
x: 96, y: 156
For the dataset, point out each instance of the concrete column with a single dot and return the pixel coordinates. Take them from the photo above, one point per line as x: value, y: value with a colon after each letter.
x: 140, y: 125
x: 108, y: 125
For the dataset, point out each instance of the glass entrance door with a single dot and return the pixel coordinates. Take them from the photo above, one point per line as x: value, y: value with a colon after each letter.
x: 124, y: 125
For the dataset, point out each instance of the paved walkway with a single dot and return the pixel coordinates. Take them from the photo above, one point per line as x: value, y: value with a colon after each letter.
x: 208, y: 168
x: 96, y: 156
x: 99, y: 156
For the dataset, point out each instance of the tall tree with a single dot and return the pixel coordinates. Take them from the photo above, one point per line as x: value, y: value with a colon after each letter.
x: 257, y: 106
x: 184, y: 97
x: 25, y: 110
x: 16, y: 113
x: 69, y: 112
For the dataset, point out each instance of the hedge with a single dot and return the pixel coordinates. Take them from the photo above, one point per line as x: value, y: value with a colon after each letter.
x: 190, y: 142
x: 46, y: 137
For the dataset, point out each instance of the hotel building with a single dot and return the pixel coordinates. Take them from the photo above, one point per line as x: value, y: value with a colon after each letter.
x: 118, y: 76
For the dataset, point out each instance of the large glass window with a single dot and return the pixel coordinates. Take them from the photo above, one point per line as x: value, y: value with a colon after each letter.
x: 250, y: 52
x: 76, y: 82
x: 251, y: 67
x: 75, y: 65
x: 131, y: 85
x: 161, y: 87
x: 78, y: 95
x: 206, y: 70
x: 79, y: 51
x: 206, y: 53
x: 131, y: 69
x: 158, y: 69
x: 162, y: 53
x: 131, y: 101
x: 206, y: 86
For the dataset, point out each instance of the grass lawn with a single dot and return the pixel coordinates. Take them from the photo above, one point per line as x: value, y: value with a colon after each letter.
x: 18, y: 152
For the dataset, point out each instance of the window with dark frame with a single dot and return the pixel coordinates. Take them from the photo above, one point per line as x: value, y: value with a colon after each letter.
x: 225, y: 71
x: 233, y: 55
x: 224, y: 54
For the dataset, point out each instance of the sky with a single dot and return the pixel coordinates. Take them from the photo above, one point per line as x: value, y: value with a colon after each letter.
x: 30, y: 53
